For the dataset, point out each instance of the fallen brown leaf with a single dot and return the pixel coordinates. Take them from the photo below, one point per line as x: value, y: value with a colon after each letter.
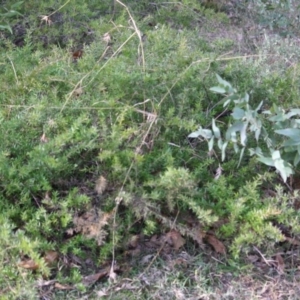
x: 197, y: 234
x: 217, y: 245
x: 175, y: 239
x: 63, y: 287
x: 28, y: 264
x: 280, y: 263
x: 77, y: 54
x: 51, y: 257
x: 91, y: 279
x: 42, y: 283
x: 91, y: 224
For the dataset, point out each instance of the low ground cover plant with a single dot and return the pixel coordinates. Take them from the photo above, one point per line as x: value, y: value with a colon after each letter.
x: 96, y: 105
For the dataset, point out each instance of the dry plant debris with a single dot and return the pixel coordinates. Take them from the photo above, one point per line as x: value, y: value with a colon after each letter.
x: 28, y: 264
x: 51, y: 257
x: 91, y: 224
x: 91, y: 279
x: 101, y: 185
x: 217, y: 245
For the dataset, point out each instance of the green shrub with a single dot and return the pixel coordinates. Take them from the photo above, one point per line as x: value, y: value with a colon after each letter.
x: 247, y: 122
x: 122, y: 114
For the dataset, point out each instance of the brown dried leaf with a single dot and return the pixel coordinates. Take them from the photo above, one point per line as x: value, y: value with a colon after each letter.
x: 63, y: 287
x: 28, y: 264
x: 51, y: 257
x: 92, y: 223
x: 280, y: 263
x: 217, y: 245
x: 101, y: 185
x: 197, y: 234
x: 42, y: 283
x: 91, y: 279
x: 76, y: 55
x: 175, y: 239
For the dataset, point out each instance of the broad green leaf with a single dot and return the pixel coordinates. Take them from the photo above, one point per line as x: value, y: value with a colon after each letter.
x: 230, y: 98
x: 234, y: 128
x: 218, y: 89
x: 220, y: 144
x: 293, y: 112
x: 257, y: 134
x: 243, y: 134
x: 194, y: 134
x: 290, y: 149
x: 266, y: 160
x: 226, y: 102
x: 257, y: 151
x: 241, y: 155
x: 233, y: 137
x: 283, y: 168
x: 276, y: 155
x: 266, y: 112
x: 215, y: 129
x: 211, y: 144
x: 292, y: 133
x: 236, y: 147
x: 205, y: 133
x: 238, y: 113
x: 296, y: 159
x: 290, y: 142
x: 223, y: 150
x: 223, y: 82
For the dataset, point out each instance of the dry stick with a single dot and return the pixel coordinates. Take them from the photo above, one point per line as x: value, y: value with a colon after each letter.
x: 137, y: 32
x: 141, y: 48
x: 266, y: 261
x: 203, y: 60
x: 59, y: 8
